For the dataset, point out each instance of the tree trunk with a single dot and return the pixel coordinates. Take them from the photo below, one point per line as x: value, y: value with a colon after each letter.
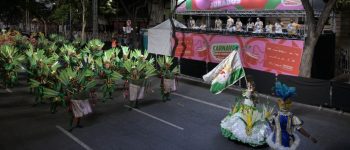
x: 45, y: 26
x: 173, y: 27
x: 308, y: 54
x: 95, y: 18
x: 83, y: 23
x: 314, y: 31
x: 155, y: 16
x: 134, y: 26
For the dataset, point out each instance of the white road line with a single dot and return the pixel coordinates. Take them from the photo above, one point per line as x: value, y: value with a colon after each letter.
x: 156, y: 118
x: 9, y: 90
x: 73, y: 138
x: 201, y: 101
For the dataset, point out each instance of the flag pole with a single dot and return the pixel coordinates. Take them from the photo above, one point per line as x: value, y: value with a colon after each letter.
x: 245, y: 75
x: 245, y: 78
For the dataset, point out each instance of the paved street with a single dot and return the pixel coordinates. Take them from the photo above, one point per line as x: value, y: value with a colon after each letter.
x: 190, y: 121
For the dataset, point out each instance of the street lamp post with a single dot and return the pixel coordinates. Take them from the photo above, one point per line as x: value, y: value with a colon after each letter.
x: 27, y: 26
x: 94, y: 18
x: 70, y: 22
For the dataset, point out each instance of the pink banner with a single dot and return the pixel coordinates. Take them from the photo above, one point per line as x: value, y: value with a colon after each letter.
x: 204, y: 5
x: 276, y: 56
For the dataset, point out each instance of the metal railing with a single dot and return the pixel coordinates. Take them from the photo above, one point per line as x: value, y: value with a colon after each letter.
x: 104, y: 36
x: 343, y: 63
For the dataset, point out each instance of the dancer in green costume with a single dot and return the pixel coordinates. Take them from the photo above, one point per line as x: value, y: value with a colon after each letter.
x: 167, y: 73
x: 10, y: 60
x: 138, y: 71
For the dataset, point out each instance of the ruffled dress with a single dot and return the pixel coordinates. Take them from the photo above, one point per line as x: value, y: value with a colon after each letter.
x: 246, y: 124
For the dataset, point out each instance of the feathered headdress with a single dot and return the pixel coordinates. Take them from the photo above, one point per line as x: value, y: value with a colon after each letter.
x: 283, y: 91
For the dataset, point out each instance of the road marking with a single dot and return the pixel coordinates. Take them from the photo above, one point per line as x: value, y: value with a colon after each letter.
x: 180, y: 104
x: 201, y: 101
x: 9, y: 90
x: 154, y: 117
x: 73, y: 138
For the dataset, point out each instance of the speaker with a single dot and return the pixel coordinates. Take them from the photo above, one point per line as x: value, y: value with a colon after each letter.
x: 324, y: 57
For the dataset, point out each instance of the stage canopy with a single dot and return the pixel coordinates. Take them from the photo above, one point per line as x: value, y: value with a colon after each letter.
x: 159, y: 38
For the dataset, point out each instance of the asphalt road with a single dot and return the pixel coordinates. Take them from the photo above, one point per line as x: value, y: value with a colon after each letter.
x: 190, y: 121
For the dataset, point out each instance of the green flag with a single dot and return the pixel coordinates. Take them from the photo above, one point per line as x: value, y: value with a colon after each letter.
x: 228, y: 72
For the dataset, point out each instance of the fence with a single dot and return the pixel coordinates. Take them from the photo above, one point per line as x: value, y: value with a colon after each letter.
x: 343, y: 63
x: 316, y: 92
x: 104, y: 36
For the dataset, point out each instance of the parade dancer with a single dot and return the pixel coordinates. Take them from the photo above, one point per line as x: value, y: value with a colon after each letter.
x: 284, y: 123
x: 168, y: 74
x: 245, y: 123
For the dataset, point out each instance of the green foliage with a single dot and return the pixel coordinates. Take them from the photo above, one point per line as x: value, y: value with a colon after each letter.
x: 78, y: 42
x: 138, y: 67
x: 68, y: 49
x: 126, y: 52
x: 342, y: 5
x: 66, y: 76
x: 43, y: 43
x: 58, y: 39
x: 167, y: 70
x: 10, y: 60
x: 107, y: 7
x: 75, y: 81
x: 34, y: 83
x: 95, y: 45
x: 60, y: 14
x: 49, y: 93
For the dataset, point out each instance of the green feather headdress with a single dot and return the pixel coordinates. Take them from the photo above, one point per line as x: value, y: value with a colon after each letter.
x: 167, y: 69
x: 95, y: 44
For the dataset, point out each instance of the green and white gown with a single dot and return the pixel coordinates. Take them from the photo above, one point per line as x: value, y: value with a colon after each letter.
x: 245, y: 123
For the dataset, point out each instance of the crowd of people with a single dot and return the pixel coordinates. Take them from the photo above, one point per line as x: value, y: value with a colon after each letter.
x: 258, y: 26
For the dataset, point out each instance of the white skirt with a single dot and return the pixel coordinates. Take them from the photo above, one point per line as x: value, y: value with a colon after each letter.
x: 136, y: 92
x: 80, y: 107
x: 169, y: 85
x: 238, y: 129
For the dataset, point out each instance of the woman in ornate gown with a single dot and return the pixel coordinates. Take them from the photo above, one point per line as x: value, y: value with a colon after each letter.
x: 245, y: 123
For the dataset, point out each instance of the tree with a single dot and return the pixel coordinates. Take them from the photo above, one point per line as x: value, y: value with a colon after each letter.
x: 67, y: 11
x: 11, y: 11
x: 41, y: 9
x: 84, y: 5
x: 108, y: 8
x: 173, y: 27
x: 60, y: 14
x: 81, y: 7
x: 313, y: 33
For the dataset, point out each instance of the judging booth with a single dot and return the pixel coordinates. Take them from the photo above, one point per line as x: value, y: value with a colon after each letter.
x: 268, y: 34
x: 260, y: 49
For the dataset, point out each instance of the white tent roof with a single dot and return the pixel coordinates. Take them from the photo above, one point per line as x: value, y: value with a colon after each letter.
x: 167, y: 25
x: 159, y: 38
